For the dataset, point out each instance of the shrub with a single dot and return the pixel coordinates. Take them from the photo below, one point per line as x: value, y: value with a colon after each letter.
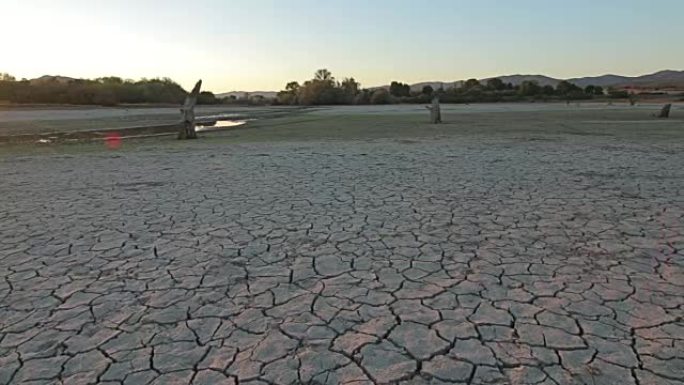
x: 380, y: 96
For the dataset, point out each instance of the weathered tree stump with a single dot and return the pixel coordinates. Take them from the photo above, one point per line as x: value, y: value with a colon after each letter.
x: 187, y: 130
x: 665, y: 111
x: 435, y: 111
x: 632, y: 101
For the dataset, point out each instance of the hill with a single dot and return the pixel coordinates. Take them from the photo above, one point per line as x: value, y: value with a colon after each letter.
x: 603, y: 81
x: 662, y: 79
x: 518, y: 79
x: 51, y: 79
x: 417, y: 87
x: 249, y: 94
x: 668, y: 79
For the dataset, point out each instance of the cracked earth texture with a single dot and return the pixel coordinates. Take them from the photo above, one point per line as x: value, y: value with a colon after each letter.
x: 425, y: 262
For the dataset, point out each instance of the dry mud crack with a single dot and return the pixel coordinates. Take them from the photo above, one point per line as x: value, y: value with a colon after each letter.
x: 345, y: 262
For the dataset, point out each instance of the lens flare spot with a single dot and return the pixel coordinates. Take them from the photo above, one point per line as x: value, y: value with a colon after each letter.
x: 113, y: 140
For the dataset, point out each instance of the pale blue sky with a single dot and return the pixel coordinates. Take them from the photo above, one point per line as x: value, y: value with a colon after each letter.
x: 260, y: 45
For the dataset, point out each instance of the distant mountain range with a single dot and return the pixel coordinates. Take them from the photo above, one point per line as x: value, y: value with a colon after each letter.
x: 667, y: 79
x: 249, y: 94
x: 51, y: 79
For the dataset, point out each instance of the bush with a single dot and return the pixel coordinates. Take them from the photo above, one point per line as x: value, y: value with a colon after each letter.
x: 206, y: 97
x: 104, y: 91
x: 618, y: 94
x: 380, y: 96
x: 400, y: 89
x: 577, y: 95
x: 362, y: 98
x: 324, y: 89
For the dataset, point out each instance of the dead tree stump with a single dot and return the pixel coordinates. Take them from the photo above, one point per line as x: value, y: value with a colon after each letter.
x: 435, y: 111
x: 632, y: 100
x: 187, y: 130
x: 665, y: 111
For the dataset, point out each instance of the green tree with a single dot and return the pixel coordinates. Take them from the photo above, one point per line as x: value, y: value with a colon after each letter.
x: 206, y: 97
x: 380, y: 96
x: 530, y: 88
x: 315, y: 92
x: 320, y: 90
x: 102, y: 91
x: 565, y: 88
x: 428, y: 90
x: 8, y: 86
x: 495, y: 84
x: 351, y: 86
x: 400, y: 89
x: 110, y: 80
x: 292, y: 87
x: 289, y: 95
x: 471, y: 83
x: 362, y: 97
x: 323, y: 74
x: 618, y: 94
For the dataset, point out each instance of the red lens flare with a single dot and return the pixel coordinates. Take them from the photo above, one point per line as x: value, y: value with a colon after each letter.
x: 113, y: 140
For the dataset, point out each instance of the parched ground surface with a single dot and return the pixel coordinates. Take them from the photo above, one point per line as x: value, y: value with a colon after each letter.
x: 34, y: 120
x: 485, y: 251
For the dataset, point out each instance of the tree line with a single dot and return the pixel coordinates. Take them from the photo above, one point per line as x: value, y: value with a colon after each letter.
x: 105, y: 91
x: 323, y: 89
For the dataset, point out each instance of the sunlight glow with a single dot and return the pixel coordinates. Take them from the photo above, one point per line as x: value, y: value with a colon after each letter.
x: 235, y: 45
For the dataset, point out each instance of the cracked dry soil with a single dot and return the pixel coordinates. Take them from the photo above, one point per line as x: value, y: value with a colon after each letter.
x: 430, y: 262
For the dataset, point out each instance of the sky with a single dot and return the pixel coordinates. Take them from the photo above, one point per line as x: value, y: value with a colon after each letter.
x: 263, y: 44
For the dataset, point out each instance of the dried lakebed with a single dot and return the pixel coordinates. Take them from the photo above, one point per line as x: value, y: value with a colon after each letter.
x: 415, y: 262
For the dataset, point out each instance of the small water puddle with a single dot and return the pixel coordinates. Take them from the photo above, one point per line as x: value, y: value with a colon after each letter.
x: 219, y: 124
x: 117, y: 136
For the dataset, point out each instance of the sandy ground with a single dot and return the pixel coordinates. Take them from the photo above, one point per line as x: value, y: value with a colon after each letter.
x: 37, y: 120
x: 361, y: 247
